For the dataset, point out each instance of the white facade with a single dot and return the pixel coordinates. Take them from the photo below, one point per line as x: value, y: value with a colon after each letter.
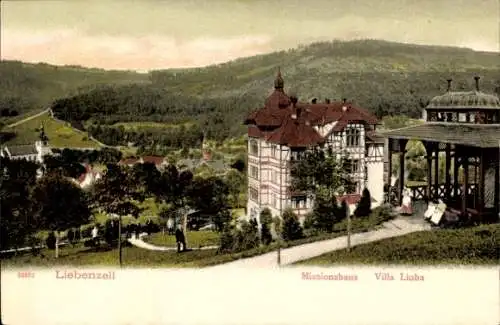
x: 28, y: 152
x: 269, y: 173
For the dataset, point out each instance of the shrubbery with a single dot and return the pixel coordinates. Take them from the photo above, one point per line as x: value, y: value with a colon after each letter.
x: 51, y: 240
x: 364, y: 206
x: 291, y: 226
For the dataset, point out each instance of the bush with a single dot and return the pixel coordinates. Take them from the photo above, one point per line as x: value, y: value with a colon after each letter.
x: 266, y: 218
x: 364, y: 206
x: 265, y: 234
x: 227, y: 239
x: 51, y: 240
x: 77, y: 235
x: 291, y: 227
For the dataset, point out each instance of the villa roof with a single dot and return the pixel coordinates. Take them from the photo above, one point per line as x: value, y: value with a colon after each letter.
x: 285, y: 121
x: 476, y: 135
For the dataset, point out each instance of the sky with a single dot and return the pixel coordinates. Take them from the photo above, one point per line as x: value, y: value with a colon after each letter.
x: 155, y: 34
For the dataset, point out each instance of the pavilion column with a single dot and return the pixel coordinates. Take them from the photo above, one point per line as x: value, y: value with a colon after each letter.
x: 480, y: 185
x: 436, y: 171
x: 428, y: 150
x: 402, y: 151
x: 465, y: 191
x: 456, y: 165
x: 389, y: 173
x: 447, y: 171
x: 497, y: 189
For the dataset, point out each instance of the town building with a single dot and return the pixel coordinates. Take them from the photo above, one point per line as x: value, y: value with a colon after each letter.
x: 463, y: 127
x: 89, y: 177
x: 31, y: 152
x: 282, y: 130
x: 158, y: 161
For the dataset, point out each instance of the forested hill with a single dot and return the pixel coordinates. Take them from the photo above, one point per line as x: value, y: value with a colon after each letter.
x: 385, y: 77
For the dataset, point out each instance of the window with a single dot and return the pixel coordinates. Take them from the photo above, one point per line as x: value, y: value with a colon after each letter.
x: 254, y: 194
x: 352, y: 137
x: 275, y: 177
x: 254, y: 147
x: 254, y: 172
x: 297, y: 155
x: 352, y: 166
x: 299, y: 202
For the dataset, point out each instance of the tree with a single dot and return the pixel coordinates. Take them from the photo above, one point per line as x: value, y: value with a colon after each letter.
x: 291, y: 229
x: 321, y: 176
x: 146, y: 175
x: 17, y: 177
x: 266, y: 219
x: 118, y: 193
x: 59, y: 204
x: 236, y: 183
x: 319, y: 171
x: 209, y: 196
x: 364, y: 205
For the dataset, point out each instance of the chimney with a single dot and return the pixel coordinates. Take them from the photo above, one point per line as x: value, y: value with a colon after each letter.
x: 344, y: 106
x: 477, y: 82
x: 298, y: 111
x: 327, y: 101
x: 449, y: 84
x: 314, y: 100
x: 293, y: 99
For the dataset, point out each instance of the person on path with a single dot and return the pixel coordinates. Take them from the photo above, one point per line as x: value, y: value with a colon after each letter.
x: 95, y: 233
x: 170, y: 226
x: 180, y: 239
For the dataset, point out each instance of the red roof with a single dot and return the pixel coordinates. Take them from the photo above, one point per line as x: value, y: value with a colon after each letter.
x: 296, y: 133
x: 157, y: 160
x: 349, y: 198
x: 129, y: 161
x: 274, y: 121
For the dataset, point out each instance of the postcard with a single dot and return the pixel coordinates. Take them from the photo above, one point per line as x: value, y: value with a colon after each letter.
x: 249, y: 162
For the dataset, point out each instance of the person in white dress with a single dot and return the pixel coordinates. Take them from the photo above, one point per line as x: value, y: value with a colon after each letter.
x: 406, y: 206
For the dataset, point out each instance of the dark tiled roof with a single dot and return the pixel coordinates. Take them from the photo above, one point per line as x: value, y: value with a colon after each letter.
x: 477, y: 135
x: 464, y: 100
x: 21, y: 150
x: 295, y: 133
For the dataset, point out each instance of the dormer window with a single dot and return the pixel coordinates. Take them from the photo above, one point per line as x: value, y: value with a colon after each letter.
x: 254, y: 147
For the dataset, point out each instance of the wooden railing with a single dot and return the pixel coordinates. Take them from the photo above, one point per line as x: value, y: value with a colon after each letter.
x: 419, y: 192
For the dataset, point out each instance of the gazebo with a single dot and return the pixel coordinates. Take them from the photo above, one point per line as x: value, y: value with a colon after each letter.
x: 465, y: 126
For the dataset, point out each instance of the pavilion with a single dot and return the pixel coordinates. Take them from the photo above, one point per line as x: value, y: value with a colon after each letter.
x: 465, y: 126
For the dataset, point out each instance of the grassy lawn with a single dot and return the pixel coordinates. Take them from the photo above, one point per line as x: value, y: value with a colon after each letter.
x: 61, y: 135
x: 149, y: 125
x: 477, y: 245
x: 133, y: 256
x: 194, y: 239
x: 151, y: 211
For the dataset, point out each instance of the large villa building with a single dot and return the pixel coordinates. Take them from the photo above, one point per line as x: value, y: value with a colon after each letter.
x: 282, y: 130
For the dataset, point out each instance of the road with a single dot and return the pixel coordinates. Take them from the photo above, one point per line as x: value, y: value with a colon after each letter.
x: 394, y: 228
x: 28, y: 118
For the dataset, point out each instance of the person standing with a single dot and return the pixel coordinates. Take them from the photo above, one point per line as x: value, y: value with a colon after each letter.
x: 180, y: 239
x: 95, y: 233
x: 170, y: 226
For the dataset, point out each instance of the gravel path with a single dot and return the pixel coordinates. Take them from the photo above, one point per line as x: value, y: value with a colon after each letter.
x: 142, y: 244
x: 394, y: 228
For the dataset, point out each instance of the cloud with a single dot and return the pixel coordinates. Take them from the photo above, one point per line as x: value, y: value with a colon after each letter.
x: 71, y: 47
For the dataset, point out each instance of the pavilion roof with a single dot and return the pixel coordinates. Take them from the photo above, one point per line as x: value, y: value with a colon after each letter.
x: 476, y: 135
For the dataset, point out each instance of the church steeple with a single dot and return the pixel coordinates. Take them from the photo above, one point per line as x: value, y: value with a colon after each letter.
x: 278, y: 82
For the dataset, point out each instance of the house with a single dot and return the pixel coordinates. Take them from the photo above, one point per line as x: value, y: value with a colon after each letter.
x: 31, y: 152
x: 89, y: 177
x: 282, y: 131
x: 159, y: 162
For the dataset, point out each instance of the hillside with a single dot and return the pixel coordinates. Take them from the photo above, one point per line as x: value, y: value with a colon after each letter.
x: 60, y: 134
x: 384, y: 77
x: 25, y: 87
